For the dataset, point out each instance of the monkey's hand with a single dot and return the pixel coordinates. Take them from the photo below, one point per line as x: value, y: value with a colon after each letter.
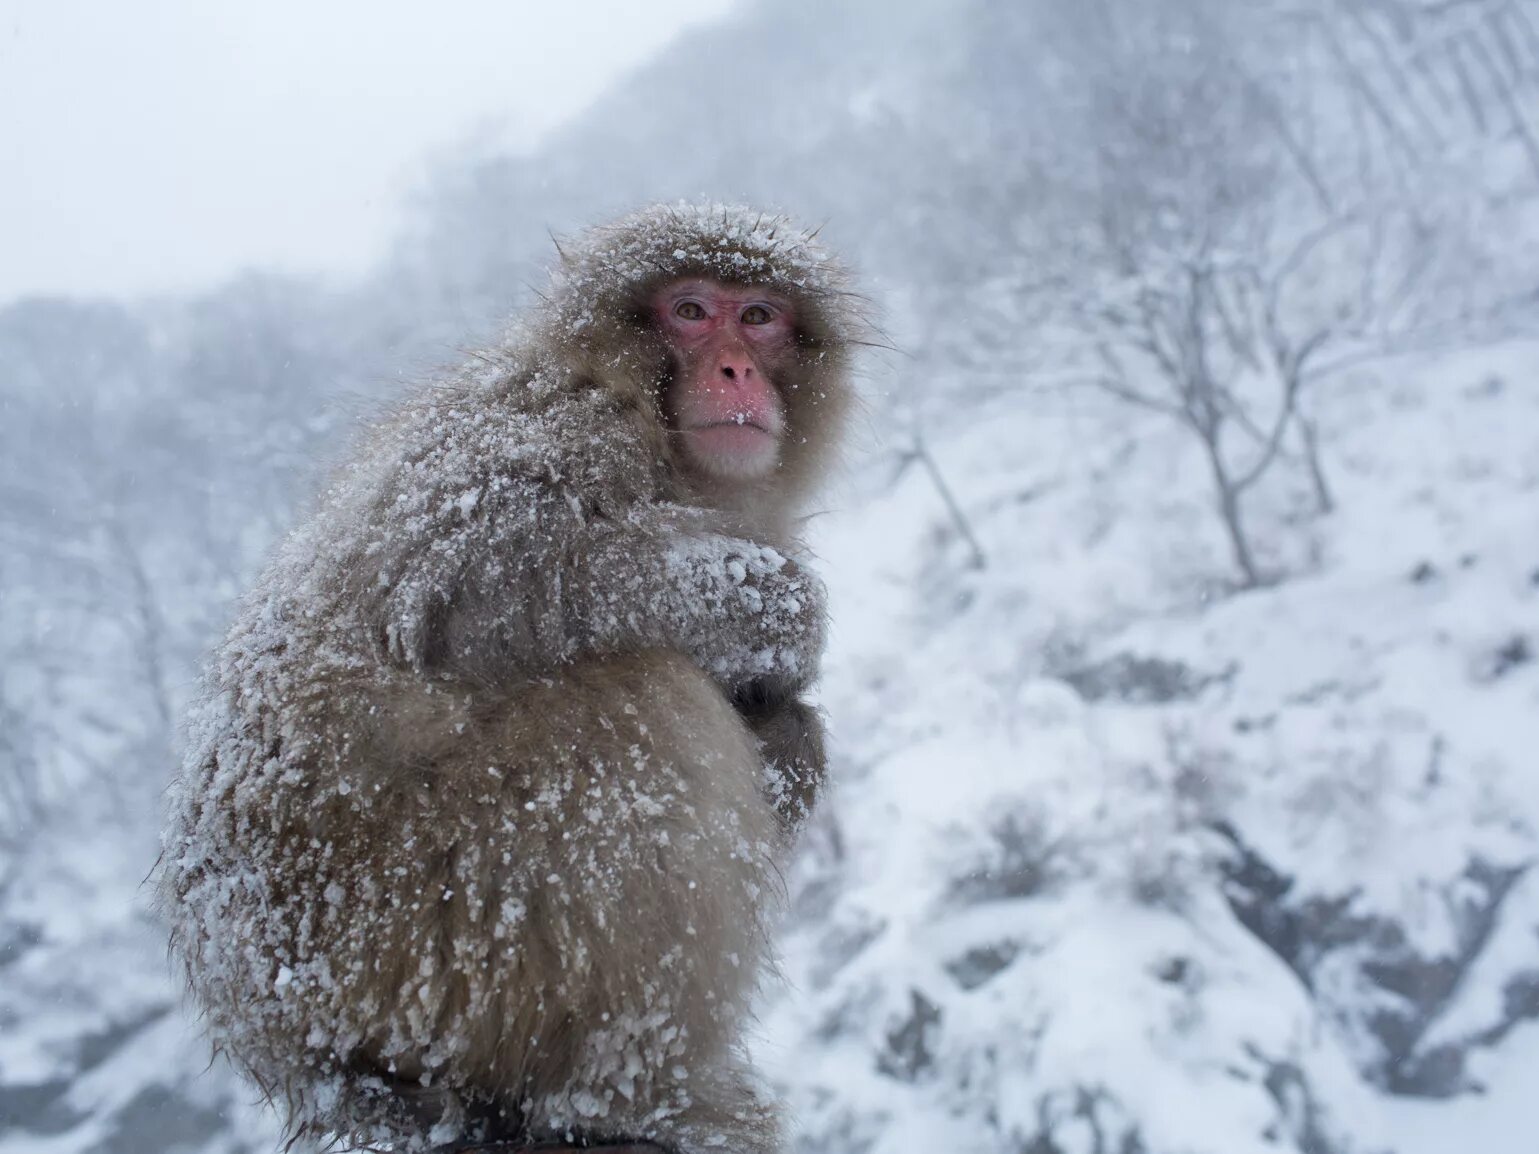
x: 765, y: 615
x: 741, y: 610
x: 790, y: 736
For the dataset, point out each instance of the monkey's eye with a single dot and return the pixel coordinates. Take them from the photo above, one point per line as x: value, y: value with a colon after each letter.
x: 756, y: 315
x: 689, y: 310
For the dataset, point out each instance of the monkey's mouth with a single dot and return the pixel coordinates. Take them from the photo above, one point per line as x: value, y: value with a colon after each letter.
x: 748, y: 439
x: 747, y: 423
x: 740, y: 449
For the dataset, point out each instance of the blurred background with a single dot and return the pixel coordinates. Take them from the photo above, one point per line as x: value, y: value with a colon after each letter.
x: 1185, y: 569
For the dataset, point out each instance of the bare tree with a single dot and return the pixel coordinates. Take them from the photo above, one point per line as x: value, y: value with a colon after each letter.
x: 1430, y: 71
x: 21, y: 777
x: 1223, y: 235
x: 917, y: 452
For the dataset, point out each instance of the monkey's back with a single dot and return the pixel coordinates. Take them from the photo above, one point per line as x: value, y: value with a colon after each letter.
x: 387, y: 883
x: 541, y: 898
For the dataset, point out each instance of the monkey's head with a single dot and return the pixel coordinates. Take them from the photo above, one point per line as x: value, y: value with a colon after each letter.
x: 728, y: 330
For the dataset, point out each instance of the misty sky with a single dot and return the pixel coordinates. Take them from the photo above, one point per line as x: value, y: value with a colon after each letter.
x: 159, y: 145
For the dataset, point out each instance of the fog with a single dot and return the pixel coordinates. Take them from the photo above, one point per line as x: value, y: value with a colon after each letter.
x: 1183, y: 564
x: 161, y: 146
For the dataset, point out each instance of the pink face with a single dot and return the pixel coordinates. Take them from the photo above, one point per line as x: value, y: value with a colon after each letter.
x: 730, y: 343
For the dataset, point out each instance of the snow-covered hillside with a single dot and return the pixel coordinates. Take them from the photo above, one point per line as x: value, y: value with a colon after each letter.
x: 1123, y: 855
x: 1111, y: 856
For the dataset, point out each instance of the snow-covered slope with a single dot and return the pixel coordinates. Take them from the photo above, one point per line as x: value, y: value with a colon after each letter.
x: 1116, y: 865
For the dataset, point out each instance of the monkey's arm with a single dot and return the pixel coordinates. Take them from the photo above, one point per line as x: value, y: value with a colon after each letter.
x: 553, y: 583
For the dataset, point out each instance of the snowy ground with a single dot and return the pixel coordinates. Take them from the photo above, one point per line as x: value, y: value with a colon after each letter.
x: 1124, y: 855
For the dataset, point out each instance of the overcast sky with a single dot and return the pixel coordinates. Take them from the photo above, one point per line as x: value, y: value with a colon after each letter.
x: 159, y: 145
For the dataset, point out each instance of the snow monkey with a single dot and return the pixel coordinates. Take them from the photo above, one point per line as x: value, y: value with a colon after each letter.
x: 477, y: 836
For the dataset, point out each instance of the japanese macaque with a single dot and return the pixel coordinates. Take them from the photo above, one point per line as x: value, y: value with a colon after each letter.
x: 477, y: 834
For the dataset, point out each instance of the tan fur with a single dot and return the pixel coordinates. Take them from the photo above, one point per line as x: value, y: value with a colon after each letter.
x: 476, y: 838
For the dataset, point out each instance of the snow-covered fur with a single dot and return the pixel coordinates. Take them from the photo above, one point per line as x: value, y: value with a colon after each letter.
x: 470, y: 840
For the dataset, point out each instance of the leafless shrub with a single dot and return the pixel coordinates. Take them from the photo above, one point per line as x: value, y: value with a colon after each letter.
x: 1020, y: 858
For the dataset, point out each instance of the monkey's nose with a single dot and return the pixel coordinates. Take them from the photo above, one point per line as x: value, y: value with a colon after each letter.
x: 737, y: 370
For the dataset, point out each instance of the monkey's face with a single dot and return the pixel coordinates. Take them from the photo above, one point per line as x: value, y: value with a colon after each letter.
x: 730, y: 346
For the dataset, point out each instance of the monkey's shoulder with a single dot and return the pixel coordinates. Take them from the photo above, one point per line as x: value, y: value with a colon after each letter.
x: 533, y: 425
